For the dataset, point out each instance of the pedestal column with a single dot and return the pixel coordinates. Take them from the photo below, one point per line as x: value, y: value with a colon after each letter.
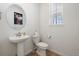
x: 20, y: 49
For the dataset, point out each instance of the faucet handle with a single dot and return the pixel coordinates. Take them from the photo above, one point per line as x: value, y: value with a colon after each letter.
x: 18, y: 34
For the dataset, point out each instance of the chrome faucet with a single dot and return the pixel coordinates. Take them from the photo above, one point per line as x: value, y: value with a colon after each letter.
x: 18, y: 34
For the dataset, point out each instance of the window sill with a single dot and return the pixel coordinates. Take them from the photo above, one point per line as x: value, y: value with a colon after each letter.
x: 56, y: 25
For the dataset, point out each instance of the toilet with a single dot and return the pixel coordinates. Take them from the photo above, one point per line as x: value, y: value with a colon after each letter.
x: 40, y: 46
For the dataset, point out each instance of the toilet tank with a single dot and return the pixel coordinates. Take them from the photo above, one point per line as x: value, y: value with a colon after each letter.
x: 36, y: 38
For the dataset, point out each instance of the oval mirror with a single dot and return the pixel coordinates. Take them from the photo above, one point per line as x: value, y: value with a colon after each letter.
x: 16, y: 17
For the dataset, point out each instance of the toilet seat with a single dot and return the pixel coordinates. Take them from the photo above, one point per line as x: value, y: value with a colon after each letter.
x: 42, y: 45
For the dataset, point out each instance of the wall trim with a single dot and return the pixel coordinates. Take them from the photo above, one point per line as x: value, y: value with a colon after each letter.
x: 51, y: 50
x: 57, y: 52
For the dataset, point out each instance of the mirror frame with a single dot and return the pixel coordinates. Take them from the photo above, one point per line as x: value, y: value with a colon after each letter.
x: 10, y: 20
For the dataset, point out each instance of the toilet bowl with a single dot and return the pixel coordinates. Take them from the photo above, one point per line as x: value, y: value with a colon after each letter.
x: 41, y: 50
x: 41, y: 46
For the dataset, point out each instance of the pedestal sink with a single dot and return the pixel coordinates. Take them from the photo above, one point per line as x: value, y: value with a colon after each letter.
x: 19, y: 40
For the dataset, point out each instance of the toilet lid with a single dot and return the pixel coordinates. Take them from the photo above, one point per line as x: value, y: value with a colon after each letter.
x: 42, y: 44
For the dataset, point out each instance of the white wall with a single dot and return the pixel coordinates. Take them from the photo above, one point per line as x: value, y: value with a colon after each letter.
x: 32, y: 25
x: 64, y: 38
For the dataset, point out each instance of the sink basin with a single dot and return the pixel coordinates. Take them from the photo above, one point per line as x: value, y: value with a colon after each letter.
x: 18, y: 39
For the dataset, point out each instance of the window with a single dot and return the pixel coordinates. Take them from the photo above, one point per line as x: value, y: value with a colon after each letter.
x: 56, y: 13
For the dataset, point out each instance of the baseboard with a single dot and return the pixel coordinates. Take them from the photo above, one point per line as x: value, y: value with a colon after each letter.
x: 51, y: 50
x: 56, y: 52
